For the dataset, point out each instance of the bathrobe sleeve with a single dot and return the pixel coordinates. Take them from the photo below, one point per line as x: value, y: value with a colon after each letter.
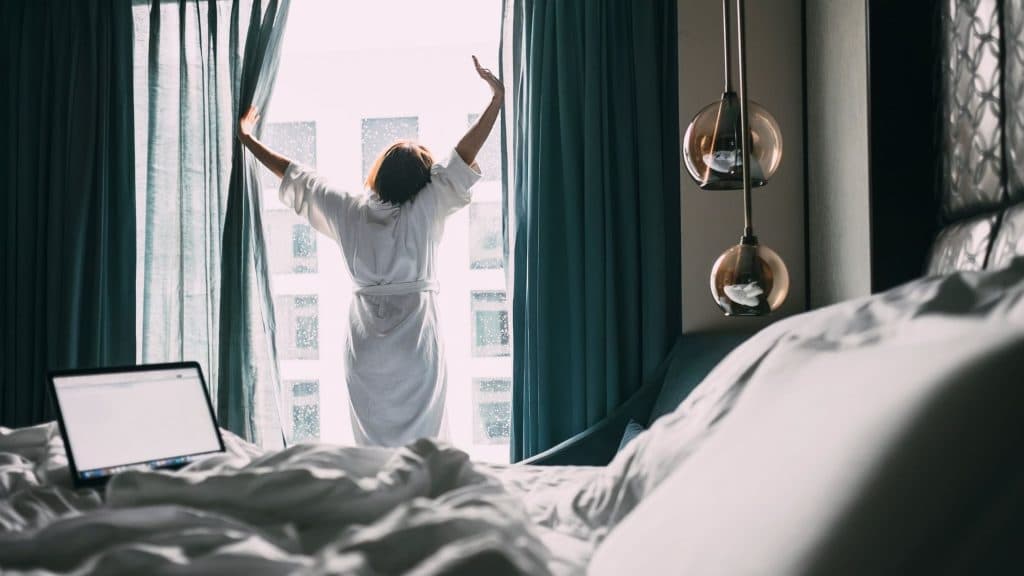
x: 452, y: 183
x: 310, y: 195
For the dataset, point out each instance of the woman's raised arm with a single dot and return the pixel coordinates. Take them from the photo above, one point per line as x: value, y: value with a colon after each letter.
x: 274, y: 162
x: 474, y: 139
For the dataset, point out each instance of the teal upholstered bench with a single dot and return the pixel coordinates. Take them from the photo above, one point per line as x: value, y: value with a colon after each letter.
x: 691, y: 358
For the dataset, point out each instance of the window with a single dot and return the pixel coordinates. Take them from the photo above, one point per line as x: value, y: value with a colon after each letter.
x: 489, y: 158
x: 296, y: 140
x: 303, y: 249
x: 490, y: 324
x: 305, y: 333
x: 492, y: 416
x: 305, y: 409
x: 485, y: 236
x: 298, y: 327
x: 373, y: 94
x: 291, y: 243
x: 379, y: 133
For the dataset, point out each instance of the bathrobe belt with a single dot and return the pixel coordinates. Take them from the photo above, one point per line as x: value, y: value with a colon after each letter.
x: 398, y: 288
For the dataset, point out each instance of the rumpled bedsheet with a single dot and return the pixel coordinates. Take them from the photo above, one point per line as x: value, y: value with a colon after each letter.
x: 309, y: 509
x: 426, y: 509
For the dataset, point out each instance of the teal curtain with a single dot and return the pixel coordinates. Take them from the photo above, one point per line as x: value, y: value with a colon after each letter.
x: 594, y: 208
x: 204, y: 292
x: 67, y: 226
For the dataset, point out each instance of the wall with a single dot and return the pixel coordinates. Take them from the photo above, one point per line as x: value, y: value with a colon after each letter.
x: 837, y: 140
x: 871, y: 156
x: 713, y: 221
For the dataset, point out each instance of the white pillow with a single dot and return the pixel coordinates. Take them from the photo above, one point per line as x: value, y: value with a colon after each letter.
x: 823, y: 442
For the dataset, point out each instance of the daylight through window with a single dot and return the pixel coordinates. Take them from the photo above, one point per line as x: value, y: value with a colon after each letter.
x: 326, y: 114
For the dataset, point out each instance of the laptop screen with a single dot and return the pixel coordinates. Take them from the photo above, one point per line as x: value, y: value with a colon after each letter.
x: 142, y: 418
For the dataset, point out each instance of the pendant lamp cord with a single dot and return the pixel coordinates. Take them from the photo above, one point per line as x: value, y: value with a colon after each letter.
x: 748, y: 220
x: 728, y: 45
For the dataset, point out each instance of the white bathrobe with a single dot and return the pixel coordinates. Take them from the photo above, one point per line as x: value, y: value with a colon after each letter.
x: 394, y: 358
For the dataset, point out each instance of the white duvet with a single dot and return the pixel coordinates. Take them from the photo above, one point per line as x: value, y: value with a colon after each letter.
x: 309, y: 509
x: 426, y: 509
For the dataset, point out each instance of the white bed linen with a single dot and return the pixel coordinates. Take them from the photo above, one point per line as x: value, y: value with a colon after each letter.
x: 836, y: 442
x: 423, y: 509
x: 309, y: 509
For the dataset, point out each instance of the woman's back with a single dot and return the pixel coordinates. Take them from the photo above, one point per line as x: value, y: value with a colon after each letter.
x: 382, y: 243
x: 394, y: 354
x: 394, y: 357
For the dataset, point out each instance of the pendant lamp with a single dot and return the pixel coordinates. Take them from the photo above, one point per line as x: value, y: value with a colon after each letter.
x: 712, y: 146
x: 748, y: 279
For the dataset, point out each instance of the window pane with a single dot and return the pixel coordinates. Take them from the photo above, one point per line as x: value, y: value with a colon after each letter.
x: 291, y: 243
x: 303, y: 241
x: 295, y: 140
x: 308, y: 301
x: 494, y: 422
x: 305, y: 409
x: 493, y: 384
x: 306, y: 388
x: 492, y: 410
x: 489, y: 158
x: 306, y: 329
x: 298, y: 327
x: 485, y: 236
x: 490, y: 324
x: 379, y: 133
x: 490, y: 327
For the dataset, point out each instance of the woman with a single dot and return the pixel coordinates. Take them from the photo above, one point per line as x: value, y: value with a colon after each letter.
x: 394, y: 362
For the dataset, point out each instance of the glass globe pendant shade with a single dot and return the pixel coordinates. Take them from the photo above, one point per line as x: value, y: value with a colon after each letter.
x: 749, y: 280
x: 713, y: 147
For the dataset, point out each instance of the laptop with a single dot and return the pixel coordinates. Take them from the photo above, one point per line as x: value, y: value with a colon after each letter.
x: 135, y: 417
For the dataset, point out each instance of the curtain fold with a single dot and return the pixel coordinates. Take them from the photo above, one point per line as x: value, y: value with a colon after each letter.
x: 248, y: 393
x: 594, y: 207
x: 67, y: 261
x: 203, y: 292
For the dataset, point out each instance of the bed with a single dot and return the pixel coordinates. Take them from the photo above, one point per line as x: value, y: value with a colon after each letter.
x: 853, y: 438
x: 879, y: 435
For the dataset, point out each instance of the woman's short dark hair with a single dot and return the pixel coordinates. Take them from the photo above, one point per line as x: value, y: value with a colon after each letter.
x: 400, y: 172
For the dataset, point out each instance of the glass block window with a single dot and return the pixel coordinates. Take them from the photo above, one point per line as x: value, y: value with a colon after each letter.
x: 305, y: 409
x: 379, y: 133
x: 489, y: 158
x: 492, y: 410
x: 485, y: 236
x: 489, y: 323
x: 298, y: 327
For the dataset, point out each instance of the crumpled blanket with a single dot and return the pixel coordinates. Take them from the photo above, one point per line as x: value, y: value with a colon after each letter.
x: 309, y: 509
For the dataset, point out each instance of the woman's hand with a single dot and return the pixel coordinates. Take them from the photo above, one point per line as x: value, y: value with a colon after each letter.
x: 474, y: 139
x: 247, y: 122
x: 497, y: 88
x: 274, y: 161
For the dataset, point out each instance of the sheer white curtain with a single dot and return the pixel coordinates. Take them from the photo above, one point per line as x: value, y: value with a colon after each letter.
x: 196, y: 64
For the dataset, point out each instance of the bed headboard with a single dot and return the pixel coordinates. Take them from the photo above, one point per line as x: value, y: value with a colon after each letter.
x: 981, y: 135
